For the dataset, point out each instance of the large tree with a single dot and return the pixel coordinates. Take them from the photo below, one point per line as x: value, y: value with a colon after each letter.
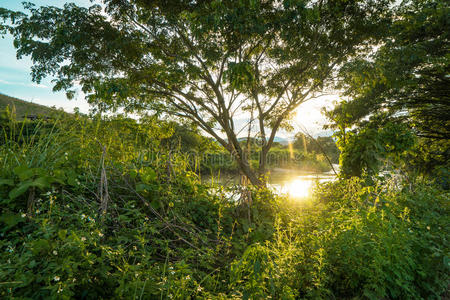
x: 407, y: 79
x: 403, y: 87
x: 206, y: 61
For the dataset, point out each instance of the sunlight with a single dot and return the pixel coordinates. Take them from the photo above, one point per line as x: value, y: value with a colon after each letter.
x: 291, y: 150
x: 299, y: 188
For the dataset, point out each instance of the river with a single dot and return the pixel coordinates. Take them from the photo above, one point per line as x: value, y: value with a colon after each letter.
x: 294, y: 183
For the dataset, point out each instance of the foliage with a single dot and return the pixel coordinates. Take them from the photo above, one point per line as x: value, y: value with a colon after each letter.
x: 324, y: 145
x: 366, y: 151
x: 379, y: 248
x: 406, y: 78
x: 220, y: 161
x: 204, y: 61
x: 166, y: 235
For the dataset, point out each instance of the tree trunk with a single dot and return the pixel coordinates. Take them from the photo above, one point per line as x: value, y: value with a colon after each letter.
x: 247, y: 171
x: 262, y: 162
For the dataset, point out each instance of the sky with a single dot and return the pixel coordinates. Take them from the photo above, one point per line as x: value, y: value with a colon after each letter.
x: 15, y: 81
x: 15, y: 75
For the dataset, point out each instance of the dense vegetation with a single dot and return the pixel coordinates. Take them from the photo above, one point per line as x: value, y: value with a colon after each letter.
x: 102, y: 206
x: 92, y: 215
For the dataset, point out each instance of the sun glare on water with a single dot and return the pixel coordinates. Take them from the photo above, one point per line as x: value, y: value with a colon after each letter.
x: 299, y: 188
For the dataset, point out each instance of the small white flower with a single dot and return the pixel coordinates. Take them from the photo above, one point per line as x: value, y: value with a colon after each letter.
x: 55, y: 252
x: 56, y: 278
x: 83, y: 238
x: 100, y: 234
x: 188, y: 277
x: 83, y: 216
x: 428, y: 227
x: 23, y: 215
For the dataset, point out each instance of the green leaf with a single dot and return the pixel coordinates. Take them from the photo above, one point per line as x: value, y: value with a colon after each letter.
x: 23, y: 172
x: 142, y: 187
x: 43, y: 182
x: 59, y: 175
x: 149, y: 175
x: 11, y: 219
x: 72, y: 178
x: 9, y: 182
x: 32, y: 264
x: 62, y: 233
x: 22, y: 188
x: 40, y: 246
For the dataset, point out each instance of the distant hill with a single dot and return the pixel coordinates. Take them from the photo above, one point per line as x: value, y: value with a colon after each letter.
x: 24, y: 107
x: 280, y: 140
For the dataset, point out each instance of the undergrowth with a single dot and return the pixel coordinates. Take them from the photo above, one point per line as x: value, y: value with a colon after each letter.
x: 98, y: 209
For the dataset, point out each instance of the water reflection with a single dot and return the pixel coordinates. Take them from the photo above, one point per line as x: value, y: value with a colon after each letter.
x: 297, y: 186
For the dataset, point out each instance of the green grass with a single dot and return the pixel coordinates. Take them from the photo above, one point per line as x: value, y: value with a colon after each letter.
x: 24, y: 107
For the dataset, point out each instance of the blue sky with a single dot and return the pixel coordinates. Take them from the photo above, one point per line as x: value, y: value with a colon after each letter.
x: 15, y: 80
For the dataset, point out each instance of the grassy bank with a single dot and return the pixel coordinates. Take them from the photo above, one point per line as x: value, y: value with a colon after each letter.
x: 23, y: 108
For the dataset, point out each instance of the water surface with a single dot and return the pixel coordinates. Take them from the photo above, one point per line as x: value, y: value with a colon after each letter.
x: 295, y: 183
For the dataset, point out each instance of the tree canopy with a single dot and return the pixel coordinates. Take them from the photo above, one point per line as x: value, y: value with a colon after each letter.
x: 407, y: 78
x: 206, y: 61
x: 403, y: 85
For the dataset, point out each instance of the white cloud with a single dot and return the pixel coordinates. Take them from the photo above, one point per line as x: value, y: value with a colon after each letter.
x: 42, y: 86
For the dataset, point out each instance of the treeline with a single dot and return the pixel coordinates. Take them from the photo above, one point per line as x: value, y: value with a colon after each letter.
x: 304, y: 153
